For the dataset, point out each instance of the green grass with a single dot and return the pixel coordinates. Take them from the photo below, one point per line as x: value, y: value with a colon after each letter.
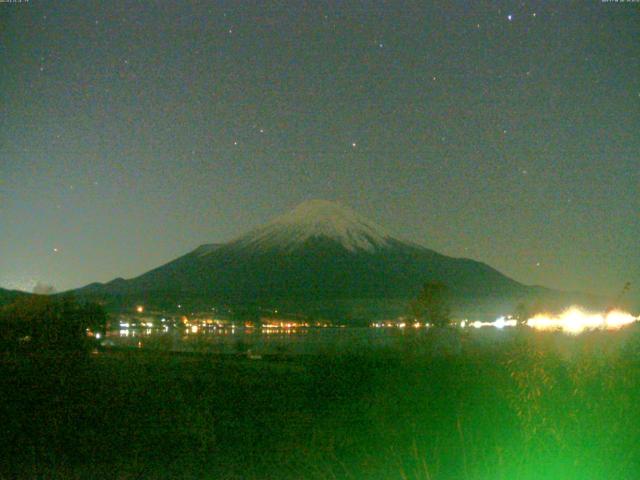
x: 528, y: 408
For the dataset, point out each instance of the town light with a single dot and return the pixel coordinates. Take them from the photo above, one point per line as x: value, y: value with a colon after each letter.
x: 574, y: 321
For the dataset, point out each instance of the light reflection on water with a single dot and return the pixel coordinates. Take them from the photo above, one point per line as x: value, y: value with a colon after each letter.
x: 256, y: 342
x: 266, y: 341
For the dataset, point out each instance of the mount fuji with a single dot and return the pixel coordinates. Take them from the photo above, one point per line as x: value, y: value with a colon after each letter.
x: 319, y: 259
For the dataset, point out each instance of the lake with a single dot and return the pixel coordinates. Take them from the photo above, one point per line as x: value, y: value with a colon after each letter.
x: 341, y: 340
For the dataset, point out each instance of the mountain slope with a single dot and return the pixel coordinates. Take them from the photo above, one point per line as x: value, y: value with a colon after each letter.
x: 319, y: 253
x: 9, y: 296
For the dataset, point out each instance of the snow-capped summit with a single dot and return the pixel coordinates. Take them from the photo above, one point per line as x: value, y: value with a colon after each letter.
x: 317, y: 219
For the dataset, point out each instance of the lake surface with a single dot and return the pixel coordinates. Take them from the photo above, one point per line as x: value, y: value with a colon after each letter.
x: 340, y: 340
x: 268, y: 342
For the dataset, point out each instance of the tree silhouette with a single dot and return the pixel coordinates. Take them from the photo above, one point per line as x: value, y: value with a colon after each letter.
x: 522, y: 313
x: 40, y: 323
x: 432, y: 305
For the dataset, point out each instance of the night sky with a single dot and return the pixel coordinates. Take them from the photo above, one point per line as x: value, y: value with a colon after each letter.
x: 507, y: 132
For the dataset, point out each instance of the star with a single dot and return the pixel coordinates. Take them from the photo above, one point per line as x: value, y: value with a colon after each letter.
x: 509, y: 17
x: 354, y: 144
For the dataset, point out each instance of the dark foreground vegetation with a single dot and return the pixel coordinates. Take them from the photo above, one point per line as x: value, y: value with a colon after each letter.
x: 523, y: 409
x: 40, y: 324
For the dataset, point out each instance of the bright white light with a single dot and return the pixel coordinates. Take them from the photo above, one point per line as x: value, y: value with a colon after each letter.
x: 500, y: 323
x: 504, y: 322
x: 98, y: 336
x: 574, y: 321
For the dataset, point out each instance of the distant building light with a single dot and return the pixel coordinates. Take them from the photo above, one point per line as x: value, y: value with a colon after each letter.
x: 139, y: 309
